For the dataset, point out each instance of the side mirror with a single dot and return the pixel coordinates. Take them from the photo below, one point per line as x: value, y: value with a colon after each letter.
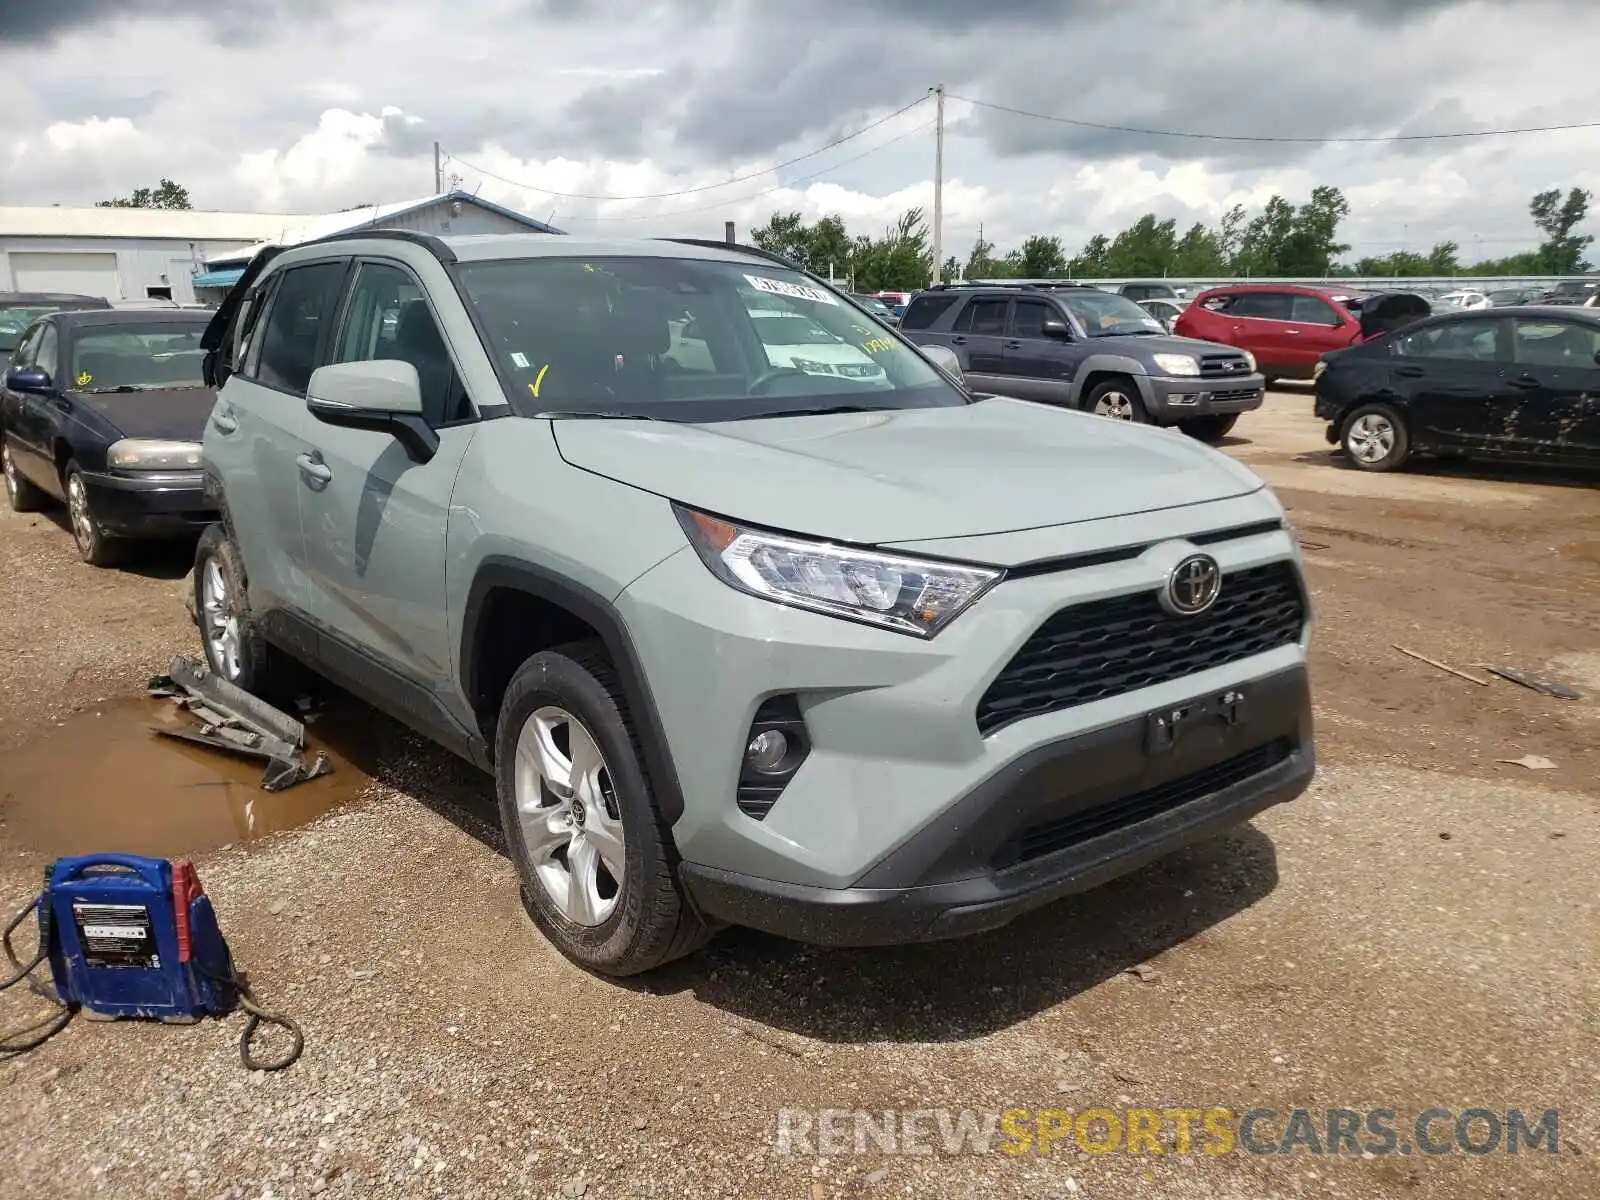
x: 947, y: 361
x: 1057, y: 330
x: 29, y: 379
x: 381, y: 395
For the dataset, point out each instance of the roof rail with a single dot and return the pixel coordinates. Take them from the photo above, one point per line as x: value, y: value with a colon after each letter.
x: 417, y: 238
x: 1009, y: 284
x: 713, y: 244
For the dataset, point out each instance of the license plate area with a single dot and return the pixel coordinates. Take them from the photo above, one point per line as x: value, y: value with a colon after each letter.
x: 1206, y: 723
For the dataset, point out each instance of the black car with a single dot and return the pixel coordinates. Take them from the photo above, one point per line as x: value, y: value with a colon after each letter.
x: 879, y: 310
x: 1079, y: 347
x: 1520, y: 383
x: 105, y: 410
x: 18, y: 310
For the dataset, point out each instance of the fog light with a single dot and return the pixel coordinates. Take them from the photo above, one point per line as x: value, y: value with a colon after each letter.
x: 1185, y: 397
x: 766, y: 752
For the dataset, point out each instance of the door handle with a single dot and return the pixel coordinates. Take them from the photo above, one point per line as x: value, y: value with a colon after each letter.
x: 1525, y: 381
x: 223, y: 422
x: 1012, y: 344
x: 1291, y: 331
x: 1409, y: 372
x: 958, y: 341
x: 313, y: 468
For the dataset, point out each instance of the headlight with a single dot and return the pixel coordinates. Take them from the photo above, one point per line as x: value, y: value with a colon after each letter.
x: 908, y: 595
x: 1316, y: 371
x: 1177, y: 364
x: 147, y: 454
x: 1251, y: 359
x: 811, y: 366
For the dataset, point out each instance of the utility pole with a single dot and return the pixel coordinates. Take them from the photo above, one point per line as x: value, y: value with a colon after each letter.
x: 938, y: 182
x: 438, y: 170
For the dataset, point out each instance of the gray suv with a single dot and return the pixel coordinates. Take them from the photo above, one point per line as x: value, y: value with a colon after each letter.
x: 1079, y: 347
x: 848, y: 655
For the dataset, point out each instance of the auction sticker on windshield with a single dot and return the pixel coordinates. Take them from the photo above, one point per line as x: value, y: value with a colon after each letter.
x: 795, y: 291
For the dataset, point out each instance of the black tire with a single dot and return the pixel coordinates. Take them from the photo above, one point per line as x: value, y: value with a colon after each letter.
x: 1128, y: 402
x: 95, y: 547
x: 1268, y: 382
x: 1374, y: 437
x: 1210, y: 429
x: 258, y: 668
x: 23, y: 495
x: 651, y: 922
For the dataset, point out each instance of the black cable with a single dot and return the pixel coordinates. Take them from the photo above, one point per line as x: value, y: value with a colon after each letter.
x: 259, y: 1016
x: 22, y: 972
x: 31, y: 1036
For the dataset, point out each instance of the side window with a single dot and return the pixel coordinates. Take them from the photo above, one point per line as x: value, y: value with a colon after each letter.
x: 22, y: 356
x: 296, y: 325
x: 1222, y: 303
x: 1546, y: 343
x: 248, y: 325
x: 984, y: 316
x: 924, y: 310
x: 1029, y: 316
x: 1266, y: 306
x: 47, y: 357
x: 1313, y: 310
x: 388, y: 318
x: 1465, y: 341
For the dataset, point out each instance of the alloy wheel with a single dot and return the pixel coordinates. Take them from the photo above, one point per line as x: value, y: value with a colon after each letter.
x: 1116, y: 405
x: 220, y: 625
x: 83, y: 530
x: 13, y: 484
x: 1371, y: 438
x: 570, y: 818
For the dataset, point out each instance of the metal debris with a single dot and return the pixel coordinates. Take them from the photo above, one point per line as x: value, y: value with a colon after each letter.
x: 1433, y: 662
x: 235, y: 722
x: 1534, y: 762
x: 1538, y: 683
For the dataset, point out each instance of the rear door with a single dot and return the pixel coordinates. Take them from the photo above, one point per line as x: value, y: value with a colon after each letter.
x: 1037, y: 367
x: 979, y: 334
x: 20, y: 418
x: 1259, y: 322
x: 259, y: 427
x: 1557, y: 363
x: 374, y: 518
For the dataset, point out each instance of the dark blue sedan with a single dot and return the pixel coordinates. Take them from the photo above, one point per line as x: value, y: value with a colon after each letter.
x: 104, y: 411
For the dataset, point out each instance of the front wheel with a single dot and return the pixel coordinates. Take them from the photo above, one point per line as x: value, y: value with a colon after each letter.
x: 234, y: 648
x: 94, y: 546
x: 594, y: 856
x: 1117, y: 399
x: 1374, y: 438
x: 1212, y: 428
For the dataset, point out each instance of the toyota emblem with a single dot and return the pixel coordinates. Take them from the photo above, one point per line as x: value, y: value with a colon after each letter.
x: 1193, y: 586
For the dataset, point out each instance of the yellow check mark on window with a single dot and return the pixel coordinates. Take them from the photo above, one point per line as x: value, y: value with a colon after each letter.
x: 538, y: 380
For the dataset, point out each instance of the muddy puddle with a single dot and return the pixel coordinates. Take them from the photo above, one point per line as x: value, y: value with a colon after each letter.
x: 102, y: 781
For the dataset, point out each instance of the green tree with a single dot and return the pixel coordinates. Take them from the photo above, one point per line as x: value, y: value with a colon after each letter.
x: 951, y: 271
x: 899, y: 261
x: 1146, y: 248
x: 1042, y: 258
x: 1261, y: 242
x: 1230, y: 233
x: 165, y: 195
x: 1312, y: 245
x: 1090, y: 262
x: 786, y: 234
x: 1199, y: 253
x: 981, y: 262
x: 1562, y: 253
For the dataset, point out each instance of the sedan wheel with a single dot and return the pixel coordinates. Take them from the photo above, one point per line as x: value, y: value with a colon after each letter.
x: 94, y: 547
x: 1375, y: 438
x: 219, y: 625
x: 570, y: 817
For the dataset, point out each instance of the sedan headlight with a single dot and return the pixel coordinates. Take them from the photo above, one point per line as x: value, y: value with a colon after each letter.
x: 149, y: 454
x: 811, y: 366
x: 1177, y: 364
x: 907, y: 595
x: 1316, y: 371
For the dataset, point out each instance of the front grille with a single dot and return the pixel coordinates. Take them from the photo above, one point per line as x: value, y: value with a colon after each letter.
x: 1237, y: 394
x: 1221, y: 366
x: 1107, y: 647
x: 1047, y: 838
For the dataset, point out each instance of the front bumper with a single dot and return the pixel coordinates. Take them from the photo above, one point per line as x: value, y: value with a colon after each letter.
x: 1064, y: 818
x: 896, y: 751
x: 1176, y: 398
x: 150, y: 505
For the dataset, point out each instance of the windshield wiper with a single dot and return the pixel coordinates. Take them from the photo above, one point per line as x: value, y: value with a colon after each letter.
x: 593, y: 416
x: 135, y: 387
x: 822, y: 411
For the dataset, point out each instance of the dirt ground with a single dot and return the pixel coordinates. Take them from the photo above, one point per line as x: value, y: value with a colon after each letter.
x: 1419, y: 930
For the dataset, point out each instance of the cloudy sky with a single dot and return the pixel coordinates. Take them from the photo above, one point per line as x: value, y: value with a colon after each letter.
x: 313, y: 105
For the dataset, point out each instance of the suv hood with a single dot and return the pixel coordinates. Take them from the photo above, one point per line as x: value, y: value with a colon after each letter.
x: 1142, y: 345
x: 994, y: 466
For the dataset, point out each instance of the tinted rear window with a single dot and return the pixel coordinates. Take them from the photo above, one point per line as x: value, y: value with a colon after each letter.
x: 923, y: 311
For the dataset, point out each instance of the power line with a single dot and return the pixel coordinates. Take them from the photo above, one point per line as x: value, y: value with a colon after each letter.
x: 724, y: 204
x: 704, y: 187
x: 1236, y: 137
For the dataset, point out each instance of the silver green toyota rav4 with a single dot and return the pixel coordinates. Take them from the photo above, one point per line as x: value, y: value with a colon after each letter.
x: 755, y: 614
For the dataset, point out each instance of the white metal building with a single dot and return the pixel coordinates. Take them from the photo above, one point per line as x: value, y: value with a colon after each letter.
x: 147, y: 253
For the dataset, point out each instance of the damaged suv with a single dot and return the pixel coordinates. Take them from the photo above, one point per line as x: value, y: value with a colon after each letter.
x: 853, y: 658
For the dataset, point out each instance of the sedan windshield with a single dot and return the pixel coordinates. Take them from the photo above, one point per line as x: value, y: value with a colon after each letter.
x: 136, y: 358
x: 14, y: 322
x: 1103, y: 314
x: 689, y: 340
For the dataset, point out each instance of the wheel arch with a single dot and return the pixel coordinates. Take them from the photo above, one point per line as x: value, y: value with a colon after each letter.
x: 1098, y: 368
x: 539, y: 609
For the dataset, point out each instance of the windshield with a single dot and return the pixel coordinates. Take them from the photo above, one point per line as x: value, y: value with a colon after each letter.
x: 689, y: 340
x: 14, y: 322
x: 1105, y: 315
x: 136, y: 358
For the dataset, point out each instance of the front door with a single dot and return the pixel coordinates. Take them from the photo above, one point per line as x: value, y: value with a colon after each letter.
x: 979, y: 335
x: 1462, y: 394
x: 374, y: 518
x: 1316, y: 327
x: 1038, y: 367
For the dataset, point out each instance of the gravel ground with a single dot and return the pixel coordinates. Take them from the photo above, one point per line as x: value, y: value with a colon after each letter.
x: 1419, y: 930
